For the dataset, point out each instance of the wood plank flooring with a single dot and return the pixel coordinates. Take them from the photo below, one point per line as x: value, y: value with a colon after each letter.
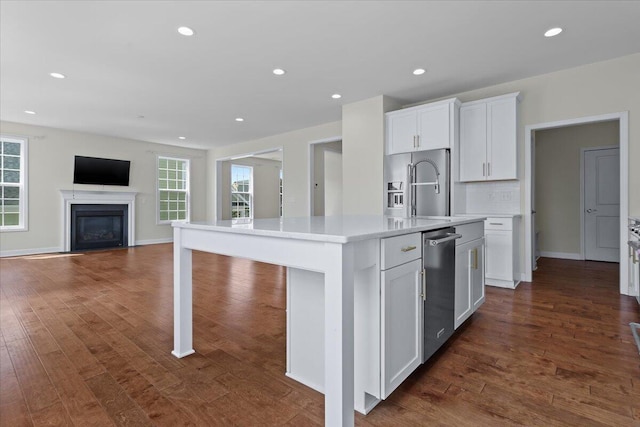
x: 86, y: 340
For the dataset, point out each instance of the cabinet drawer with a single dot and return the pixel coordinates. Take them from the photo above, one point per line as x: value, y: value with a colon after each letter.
x: 469, y: 232
x: 498, y: 224
x: 400, y: 249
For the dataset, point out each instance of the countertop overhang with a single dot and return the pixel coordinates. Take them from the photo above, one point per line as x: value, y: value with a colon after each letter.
x: 331, y: 229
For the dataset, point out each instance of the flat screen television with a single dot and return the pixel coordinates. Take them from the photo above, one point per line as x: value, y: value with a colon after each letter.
x: 93, y: 170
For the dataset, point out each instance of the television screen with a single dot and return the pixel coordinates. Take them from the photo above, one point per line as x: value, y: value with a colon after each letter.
x: 92, y: 170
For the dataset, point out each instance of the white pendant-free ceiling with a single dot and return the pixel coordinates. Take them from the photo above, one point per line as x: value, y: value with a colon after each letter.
x: 131, y: 74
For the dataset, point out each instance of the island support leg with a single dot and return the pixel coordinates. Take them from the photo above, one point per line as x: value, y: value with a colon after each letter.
x: 338, y: 336
x: 182, y: 298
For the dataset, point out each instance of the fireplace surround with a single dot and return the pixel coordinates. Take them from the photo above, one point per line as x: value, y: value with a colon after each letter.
x: 106, y: 198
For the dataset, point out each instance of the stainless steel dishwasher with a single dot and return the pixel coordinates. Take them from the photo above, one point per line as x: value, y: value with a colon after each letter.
x: 438, y: 286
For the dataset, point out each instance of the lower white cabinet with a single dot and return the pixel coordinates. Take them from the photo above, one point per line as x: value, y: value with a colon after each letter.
x: 469, y: 279
x: 401, y: 334
x: 502, y: 247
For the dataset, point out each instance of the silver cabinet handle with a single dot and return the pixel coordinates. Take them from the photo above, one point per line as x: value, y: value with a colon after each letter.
x: 592, y: 210
x: 423, y: 273
x: 496, y: 223
x: 450, y: 236
x: 484, y: 165
x: 414, y: 141
x: 417, y: 140
x: 408, y: 248
x: 489, y: 169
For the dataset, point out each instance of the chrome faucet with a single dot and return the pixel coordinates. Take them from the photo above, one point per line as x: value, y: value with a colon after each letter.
x: 412, y: 180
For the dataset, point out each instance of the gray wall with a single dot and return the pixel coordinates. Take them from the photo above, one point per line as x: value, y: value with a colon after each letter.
x: 557, y: 181
x: 51, y: 157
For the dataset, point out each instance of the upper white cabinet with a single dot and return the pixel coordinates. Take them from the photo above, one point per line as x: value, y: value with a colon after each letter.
x: 488, y: 139
x: 424, y: 127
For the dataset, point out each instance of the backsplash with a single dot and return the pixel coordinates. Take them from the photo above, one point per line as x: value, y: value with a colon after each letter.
x: 493, y: 197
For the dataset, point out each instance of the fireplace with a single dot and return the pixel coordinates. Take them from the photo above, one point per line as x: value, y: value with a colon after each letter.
x: 94, y: 222
x: 98, y: 226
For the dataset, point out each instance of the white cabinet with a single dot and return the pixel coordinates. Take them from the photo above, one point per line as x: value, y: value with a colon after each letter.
x: 469, y: 278
x: 488, y: 139
x: 401, y: 309
x: 424, y: 127
x: 501, y: 263
x: 401, y: 320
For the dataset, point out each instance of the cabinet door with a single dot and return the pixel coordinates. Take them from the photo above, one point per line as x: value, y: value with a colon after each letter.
x: 462, y: 307
x: 401, y: 132
x: 433, y: 128
x: 476, y: 274
x: 473, y: 142
x: 499, y: 255
x: 401, y: 315
x: 502, y: 136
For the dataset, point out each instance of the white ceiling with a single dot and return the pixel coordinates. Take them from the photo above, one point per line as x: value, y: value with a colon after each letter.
x: 125, y: 59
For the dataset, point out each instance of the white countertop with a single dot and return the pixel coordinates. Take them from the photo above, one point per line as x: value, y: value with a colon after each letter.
x: 335, y: 229
x: 492, y: 215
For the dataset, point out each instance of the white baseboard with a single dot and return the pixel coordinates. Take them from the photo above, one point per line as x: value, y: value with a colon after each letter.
x: 34, y: 251
x: 154, y: 241
x: 561, y: 255
x: 37, y: 251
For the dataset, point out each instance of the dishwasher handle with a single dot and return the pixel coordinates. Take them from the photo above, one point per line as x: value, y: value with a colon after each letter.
x: 447, y: 238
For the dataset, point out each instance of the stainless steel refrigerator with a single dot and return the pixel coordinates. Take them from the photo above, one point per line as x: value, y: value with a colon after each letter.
x: 417, y: 184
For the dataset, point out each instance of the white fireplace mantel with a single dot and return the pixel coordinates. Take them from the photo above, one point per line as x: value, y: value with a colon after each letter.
x: 82, y: 197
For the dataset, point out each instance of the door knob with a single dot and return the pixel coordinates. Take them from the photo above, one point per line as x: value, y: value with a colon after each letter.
x: 592, y: 210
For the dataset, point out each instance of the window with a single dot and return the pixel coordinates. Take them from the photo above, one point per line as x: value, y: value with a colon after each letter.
x: 241, y: 191
x: 13, y: 183
x: 173, y: 189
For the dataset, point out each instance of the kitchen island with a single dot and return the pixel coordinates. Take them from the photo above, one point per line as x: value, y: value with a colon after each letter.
x: 343, y: 248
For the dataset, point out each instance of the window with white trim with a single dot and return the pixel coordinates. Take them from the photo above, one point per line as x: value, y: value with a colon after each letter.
x: 13, y: 183
x: 241, y: 191
x: 173, y: 189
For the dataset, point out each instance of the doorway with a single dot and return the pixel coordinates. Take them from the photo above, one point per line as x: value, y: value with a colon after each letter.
x: 325, y: 177
x: 622, y: 120
x: 249, y: 186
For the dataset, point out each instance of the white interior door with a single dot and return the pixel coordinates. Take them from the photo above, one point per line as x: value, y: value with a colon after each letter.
x: 332, y: 183
x: 602, y: 204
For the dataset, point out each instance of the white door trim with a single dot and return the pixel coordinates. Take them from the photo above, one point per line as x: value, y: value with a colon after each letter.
x: 583, y: 250
x: 623, y: 120
x: 311, y: 168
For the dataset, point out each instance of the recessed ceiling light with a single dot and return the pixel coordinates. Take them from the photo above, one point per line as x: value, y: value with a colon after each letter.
x: 336, y: 96
x: 186, y: 31
x: 29, y: 112
x: 57, y: 75
x: 278, y: 71
x: 182, y: 137
x: 239, y: 119
x: 419, y: 71
x: 553, y: 32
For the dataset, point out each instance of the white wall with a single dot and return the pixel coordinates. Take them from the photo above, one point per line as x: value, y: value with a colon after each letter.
x: 295, y: 162
x: 51, y: 157
x: 266, y: 187
x: 557, y: 181
x: 363, y: 134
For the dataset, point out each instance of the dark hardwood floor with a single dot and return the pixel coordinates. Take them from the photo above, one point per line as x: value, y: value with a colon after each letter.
x: 86, y: 340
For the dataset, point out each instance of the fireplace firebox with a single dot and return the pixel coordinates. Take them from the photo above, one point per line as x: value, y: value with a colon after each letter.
x: 98, y: 226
